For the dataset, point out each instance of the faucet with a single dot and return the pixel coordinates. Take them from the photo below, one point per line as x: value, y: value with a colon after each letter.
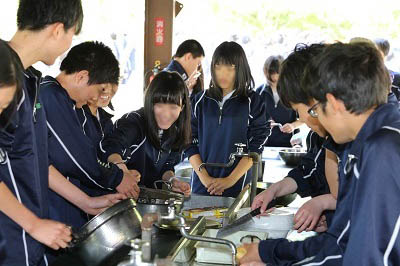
x: 150, y: 218
x: 239, y: 154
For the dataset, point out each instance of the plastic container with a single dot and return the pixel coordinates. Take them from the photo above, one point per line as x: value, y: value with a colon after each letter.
x: 277, y: 224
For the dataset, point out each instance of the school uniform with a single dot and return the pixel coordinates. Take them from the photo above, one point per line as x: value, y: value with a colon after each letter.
x: 280, y: 114
x: 24, y: 169
x: 72, y: 153
x: 395, y: 88
x: 175, y: 66
x: 365, y: 227
x: 129, y: 140
x: 309, y: 175
x: 217, y: 126
x: 392, y: 99
x: 97, y: 128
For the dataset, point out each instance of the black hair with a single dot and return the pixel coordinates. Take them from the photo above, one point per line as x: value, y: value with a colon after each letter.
x: 189, y: 46
x: 289, y: 88
x: 231, y: 53
x: 383, y: 45
x: 36, y: 15
x: 94, y: 57
x: 272, y: 66
x: 11, y: 71
x: 353, y: 73
x: 168, y: 87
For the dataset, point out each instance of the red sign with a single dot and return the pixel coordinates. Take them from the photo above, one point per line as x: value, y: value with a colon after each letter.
x: 159, y: 31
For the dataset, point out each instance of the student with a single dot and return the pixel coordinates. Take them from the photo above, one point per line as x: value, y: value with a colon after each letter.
x: 10, y: 95
x: 149, y: 141
x: 99, y: 123
x: 384, y: 47
x: 349, y: 84
x: 89, y: 69
x: 187, y: 62
x: 276, y: 111
x: 316, y: 176
x: 228, y: 112
x: 45, y: 31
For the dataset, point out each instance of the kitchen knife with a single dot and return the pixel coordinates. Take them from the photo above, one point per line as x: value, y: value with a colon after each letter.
x: 242, y: 223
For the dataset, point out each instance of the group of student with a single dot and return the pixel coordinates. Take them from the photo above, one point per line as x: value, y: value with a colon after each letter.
x: 63, y: 159
x: 343, y: 93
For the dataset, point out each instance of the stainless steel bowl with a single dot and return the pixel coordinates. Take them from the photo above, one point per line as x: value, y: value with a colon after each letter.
x: 158, y: 200
x: 292, y: 156
x: 107, y: 232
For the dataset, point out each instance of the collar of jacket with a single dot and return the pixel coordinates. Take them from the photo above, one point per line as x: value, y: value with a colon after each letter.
x: 384, y: 114
x: 176, y: 66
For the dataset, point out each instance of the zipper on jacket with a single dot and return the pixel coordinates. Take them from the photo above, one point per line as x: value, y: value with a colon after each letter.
x: 158, y: 157
x: 220, y: 115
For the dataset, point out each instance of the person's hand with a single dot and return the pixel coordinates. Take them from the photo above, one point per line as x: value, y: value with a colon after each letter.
x: 96, y: 205
x: 253, y: 263
x: 262, y: 200
x: 129, y: 186
x: 287, y: 128
x: 308, y: 215
x: 322, y: 225
x: 219, y: 185
x: 296, y: 140
x: 192, y: 80
x: 181, y: 186
x: 136, y: 174
x: 206, y: 180
x: 53, y: 234
x: 250, y: 254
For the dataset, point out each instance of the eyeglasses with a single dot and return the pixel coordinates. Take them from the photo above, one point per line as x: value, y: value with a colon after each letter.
x: 312, y: 112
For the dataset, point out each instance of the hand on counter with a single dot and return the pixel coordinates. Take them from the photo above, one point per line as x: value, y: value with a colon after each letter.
x: 321, y: 226
x: 129, y: 185
x: 53, y: 234
x: 181, y: 186
x: 250, y: 256
x: 308, y: 215
x: 95, y: 205
x: 136, y: 174
x: 219, y: 185
x: 262, y: 200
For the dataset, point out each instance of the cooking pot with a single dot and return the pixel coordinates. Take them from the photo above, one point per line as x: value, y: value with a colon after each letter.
x: 292, y: 156
x: 107, y: 232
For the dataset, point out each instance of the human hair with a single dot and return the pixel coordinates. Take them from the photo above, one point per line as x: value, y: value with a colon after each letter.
x: 289, y: 88
x: 231, y: 53
x: 353, y: 73
x: 383, y: 45
x: 11, y: 70
x: 272, y: 66
x: 168, y: 87
x: 94, y: 57
x: 36, y: 15
x: 189, y: 46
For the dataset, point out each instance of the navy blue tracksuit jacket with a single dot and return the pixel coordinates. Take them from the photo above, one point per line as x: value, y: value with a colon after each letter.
x: 25, y: 171
x: 280, y: 114
x: 215, y: 131
x: 365, y: 227
x: 129, y: 140
x: 72, y: 153
x: 310, y: 173
x: 97, y: 128
x: 174, y: 66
